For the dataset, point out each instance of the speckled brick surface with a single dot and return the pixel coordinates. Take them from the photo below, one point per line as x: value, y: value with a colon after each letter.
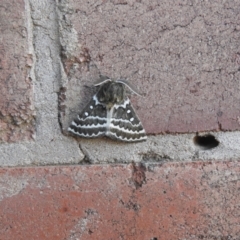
x: 16, y: 109
x: 165, y: 201
x: 182, y: 56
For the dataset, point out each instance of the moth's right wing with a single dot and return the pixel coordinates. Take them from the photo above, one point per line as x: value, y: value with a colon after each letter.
x: 91, y: 122
x: 125, y: 124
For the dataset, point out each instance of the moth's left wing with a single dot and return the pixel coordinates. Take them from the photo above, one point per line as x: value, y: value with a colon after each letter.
x: 91, y: 122
x: 125, y: 124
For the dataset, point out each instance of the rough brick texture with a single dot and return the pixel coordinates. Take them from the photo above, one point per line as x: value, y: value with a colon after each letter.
x: 183, y: 56
x: 16, y: 110
x: 166, y: 201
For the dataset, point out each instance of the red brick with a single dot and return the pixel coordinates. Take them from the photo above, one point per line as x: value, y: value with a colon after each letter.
x: 165, y: 201
x: 16, y: 110
x: 183, y: 58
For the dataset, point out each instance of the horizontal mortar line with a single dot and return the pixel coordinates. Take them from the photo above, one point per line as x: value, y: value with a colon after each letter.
x: 147, y: 163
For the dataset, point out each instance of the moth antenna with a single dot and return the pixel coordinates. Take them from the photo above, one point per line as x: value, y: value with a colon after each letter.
x: 102, y: 80
x: 126, y: 83
x: 88, y: 87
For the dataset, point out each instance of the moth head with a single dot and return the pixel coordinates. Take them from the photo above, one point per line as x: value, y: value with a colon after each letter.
x: 103, y: 80
x: 111, y: 93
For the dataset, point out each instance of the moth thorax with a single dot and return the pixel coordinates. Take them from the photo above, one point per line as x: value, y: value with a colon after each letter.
x: 111, y: 93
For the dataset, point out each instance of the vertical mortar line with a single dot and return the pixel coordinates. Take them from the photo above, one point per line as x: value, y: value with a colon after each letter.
x: 31, y: 73
x: 52, y: 55
x: 32, y: 48
x: 61, y: 86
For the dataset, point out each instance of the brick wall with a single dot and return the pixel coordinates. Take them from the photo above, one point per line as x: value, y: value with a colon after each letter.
x: 183, y: 57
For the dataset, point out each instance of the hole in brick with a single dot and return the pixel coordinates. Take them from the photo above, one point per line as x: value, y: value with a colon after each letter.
x: 206, y: 142
x: 154, y: 238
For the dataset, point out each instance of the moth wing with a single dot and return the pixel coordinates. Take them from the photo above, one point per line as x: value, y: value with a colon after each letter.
x: 91, y: 122
x: 125, y: 124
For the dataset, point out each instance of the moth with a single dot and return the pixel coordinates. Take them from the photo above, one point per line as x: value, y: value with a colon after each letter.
x: 110, y: 114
